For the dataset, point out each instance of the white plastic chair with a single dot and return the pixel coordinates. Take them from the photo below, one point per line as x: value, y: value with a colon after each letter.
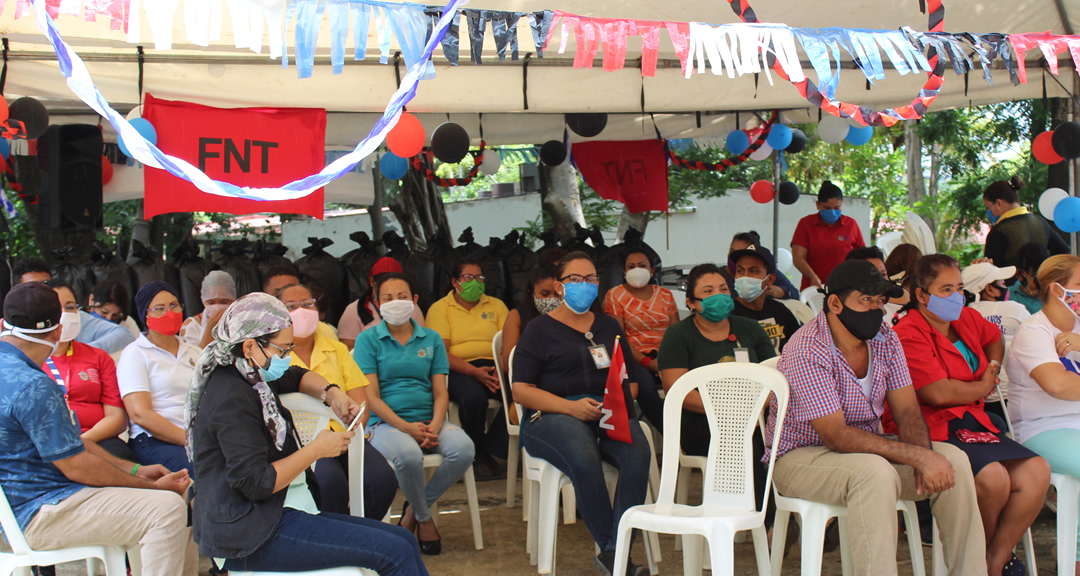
x: 433, y: 461
x: 815, y: 516
x: 512, y: 430
x: 734, y: 395
x: 22, y: 557
x: 310, y: 417
x: 1068, y: 507
x: 801, y: 310
x: 814, y: 299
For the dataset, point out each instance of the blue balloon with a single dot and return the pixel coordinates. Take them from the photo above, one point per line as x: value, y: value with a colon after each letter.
x: 5, y: 148
x: 737, y: 142
x: 393, y: 167
x: 779, y: 137
x: 1067, y: 214
x: 859, y: 135
x: 143, y: 127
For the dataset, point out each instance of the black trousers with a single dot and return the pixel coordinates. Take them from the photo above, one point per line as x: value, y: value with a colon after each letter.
x: 472, y: 397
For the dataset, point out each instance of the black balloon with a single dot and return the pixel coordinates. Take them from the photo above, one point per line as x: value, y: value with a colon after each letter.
x: 32, y: 114
x: 553, y: 153
x: 587, y: 125
x: 789, y: 191
x: 1066, y: 140
x: 798, y: 142
x: 450, y: 142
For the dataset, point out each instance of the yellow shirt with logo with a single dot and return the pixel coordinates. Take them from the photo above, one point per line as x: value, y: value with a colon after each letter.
x: 331, y: 360
x: 469, y: 332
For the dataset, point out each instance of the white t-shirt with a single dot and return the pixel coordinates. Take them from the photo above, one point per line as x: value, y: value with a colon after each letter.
x: 1031, y: 409
x: 144, y: 367
x: 1007, y: 316
x: 891, y: 310
x: 867, y: 382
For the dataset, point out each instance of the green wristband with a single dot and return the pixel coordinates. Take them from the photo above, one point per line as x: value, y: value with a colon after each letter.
x: 135, y: 469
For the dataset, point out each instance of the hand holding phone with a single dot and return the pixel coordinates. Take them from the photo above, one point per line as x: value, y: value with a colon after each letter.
x: 359, y: 416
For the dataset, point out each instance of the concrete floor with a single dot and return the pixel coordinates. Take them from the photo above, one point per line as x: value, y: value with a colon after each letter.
x: 504, y: 543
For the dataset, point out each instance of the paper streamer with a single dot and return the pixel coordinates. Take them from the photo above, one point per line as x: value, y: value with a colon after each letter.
x: 743, y: 49
x: 80, y: 82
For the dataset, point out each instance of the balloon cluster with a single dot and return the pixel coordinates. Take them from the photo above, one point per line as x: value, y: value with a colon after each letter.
x: 781, y: 137
x: 835, y: 130
x: 1058, y: 144
x: 763, y: 191
x: 1056, y: 204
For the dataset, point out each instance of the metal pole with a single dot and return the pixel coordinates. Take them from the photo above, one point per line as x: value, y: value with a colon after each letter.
x: 776, y: 202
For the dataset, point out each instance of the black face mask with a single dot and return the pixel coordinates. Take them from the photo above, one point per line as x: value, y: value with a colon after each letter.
x: 862, y: 325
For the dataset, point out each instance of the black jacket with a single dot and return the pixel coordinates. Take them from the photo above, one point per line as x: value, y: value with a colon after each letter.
x: 234, y: 507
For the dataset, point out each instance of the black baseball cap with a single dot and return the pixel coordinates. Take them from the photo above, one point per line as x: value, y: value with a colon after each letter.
x: 32, y: 306
x: 754, y: 250
x: 863, y: 276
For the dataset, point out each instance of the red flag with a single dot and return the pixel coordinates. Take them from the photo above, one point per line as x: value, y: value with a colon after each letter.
x: 257, y: 147
x: 634, y: 172
x: 615, y: 419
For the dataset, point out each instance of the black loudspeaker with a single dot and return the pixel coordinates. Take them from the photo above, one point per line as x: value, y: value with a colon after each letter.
x: 69, y: 158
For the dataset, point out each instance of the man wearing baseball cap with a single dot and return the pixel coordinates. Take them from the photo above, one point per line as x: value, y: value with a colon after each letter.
x: 987, y: 283
x: 66, y: 491
x: 755, y: 273
x: 842, y: 367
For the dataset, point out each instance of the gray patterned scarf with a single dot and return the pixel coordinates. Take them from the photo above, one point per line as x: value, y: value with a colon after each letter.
x: 254, y: 315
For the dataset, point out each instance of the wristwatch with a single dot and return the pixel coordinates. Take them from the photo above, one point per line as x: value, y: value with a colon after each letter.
x: 327, y: 391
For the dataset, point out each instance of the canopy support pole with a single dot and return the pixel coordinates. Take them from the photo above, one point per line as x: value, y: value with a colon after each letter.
x: 776, y: 202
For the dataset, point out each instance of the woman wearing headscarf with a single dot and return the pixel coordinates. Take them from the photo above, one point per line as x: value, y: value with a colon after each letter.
x: 255, y: 507
x: 218, y: 291
x: 154, y: 373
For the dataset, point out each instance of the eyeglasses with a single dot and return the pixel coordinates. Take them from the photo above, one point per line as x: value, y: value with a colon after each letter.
x: 308, y: 304
x: 471, y: 277
x: 578, y: 279
x: 70, y: 308
x: 283, y: 352
x: 161, y: 310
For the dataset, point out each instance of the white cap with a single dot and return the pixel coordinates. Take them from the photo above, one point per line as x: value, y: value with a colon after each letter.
x: 978, y: 276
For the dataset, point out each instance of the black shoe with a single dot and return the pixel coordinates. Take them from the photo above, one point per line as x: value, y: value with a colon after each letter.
x: 429, y: 547
x: 488, y: 469
x: 45, y: 570
x: 605, y: 561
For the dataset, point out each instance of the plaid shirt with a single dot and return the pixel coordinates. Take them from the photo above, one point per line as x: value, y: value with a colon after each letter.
x: 822, y: 383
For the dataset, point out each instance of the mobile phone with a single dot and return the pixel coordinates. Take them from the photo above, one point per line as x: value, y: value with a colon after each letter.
x: 359, y: 415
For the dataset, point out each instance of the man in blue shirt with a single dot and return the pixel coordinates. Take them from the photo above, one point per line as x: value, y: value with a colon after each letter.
x: 66, y: 491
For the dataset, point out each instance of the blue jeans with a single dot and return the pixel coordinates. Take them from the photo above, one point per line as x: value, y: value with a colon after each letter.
x: 380, y: 484
x: 150, y: 450
x: 578, y: 449
x: 406, y: 457
x: 304, y: 542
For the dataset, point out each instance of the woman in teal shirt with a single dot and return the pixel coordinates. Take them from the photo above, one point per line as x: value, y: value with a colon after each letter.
x: 406, y: 367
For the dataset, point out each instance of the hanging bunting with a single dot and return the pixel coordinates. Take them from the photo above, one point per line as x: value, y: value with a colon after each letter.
x: 1050, y: 45
x: 743, y: 49
x: 420, y: 162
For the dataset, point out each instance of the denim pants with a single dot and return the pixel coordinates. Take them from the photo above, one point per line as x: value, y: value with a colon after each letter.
x: 406, y: 457
x: 578, y: 449
x: 380, y: 483
x: 304, y: 542
x: 150, y: 450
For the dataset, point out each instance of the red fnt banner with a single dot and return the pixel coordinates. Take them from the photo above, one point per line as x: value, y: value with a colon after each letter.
x: 257, y: 147
x: 632, y: 172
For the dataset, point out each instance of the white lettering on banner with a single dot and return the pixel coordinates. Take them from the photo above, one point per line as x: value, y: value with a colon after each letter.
x: 604, y: 419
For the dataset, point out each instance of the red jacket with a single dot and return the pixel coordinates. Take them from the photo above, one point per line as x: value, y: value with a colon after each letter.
x: 932, y: 357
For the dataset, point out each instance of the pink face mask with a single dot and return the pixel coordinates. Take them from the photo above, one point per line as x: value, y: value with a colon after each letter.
x: 304, y: 322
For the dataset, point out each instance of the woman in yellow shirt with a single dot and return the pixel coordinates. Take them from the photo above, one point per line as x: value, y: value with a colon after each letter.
x: 331, y: 360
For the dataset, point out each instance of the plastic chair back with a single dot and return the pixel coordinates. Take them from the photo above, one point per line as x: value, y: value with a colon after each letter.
x: 310, y: 417
x: 510, y: 378
x: 504, y: 382
x: 802, y: 311
x: 11, y: 527
x: 734, y: 395
x: 814, y: 299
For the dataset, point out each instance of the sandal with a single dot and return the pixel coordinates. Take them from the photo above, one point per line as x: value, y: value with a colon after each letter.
x: 1014, y: 567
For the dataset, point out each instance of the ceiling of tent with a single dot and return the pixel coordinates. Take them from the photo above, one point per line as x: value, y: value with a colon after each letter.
x: 222, y: 75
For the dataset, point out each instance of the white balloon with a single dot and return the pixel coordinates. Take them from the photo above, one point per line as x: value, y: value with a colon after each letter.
x: 1049, y: 200
x: 784, y: 261
x: 762, y: 153
x: 490, y: 162
x: 832, y: 129
x: 136, y: 112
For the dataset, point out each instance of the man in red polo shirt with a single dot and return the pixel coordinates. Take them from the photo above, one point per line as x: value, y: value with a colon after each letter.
x: 822, y: 240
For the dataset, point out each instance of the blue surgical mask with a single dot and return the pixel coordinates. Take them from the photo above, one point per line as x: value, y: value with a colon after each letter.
x: 579, y: 296
x: 275, y: 369
x: 990, y: 216
x: 949, y: 308
x: 749, y: 288
x: 830, y: 216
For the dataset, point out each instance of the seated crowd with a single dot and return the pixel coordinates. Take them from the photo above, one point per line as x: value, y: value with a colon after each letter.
x: 897, y: 392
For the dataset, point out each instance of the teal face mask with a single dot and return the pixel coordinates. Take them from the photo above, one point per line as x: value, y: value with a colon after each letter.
x: 717, y: 308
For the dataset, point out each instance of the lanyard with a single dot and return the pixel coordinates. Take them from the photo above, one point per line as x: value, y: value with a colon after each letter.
x: 56, y: 376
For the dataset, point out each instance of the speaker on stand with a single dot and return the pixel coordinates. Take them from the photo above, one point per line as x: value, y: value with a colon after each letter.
x: 70, y: 196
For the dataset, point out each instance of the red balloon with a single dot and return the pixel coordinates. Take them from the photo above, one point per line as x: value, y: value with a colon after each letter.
x: 106, y: 171
x: 762, y: 191
x: 406, y: 138
x: 1043, y: 148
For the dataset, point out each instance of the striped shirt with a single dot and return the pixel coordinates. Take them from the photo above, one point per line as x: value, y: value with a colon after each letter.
x: 645, y: 320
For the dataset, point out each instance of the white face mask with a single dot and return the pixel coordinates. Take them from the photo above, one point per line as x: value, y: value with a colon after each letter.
x: 396, y: 312
x: 212, y: 309
x: 18, y: 333
x: 638, y: 277
x: 71, y: 324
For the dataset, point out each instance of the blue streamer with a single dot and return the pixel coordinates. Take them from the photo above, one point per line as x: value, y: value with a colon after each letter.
x: 338, y: 12
x: 410, y: 29
x: 82, y: 85
x: 822, y: 46
x: 361, y: 15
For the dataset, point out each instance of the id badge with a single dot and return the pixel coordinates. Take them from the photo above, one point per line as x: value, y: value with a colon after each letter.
x: 742, y: 354
x: 600, y: 356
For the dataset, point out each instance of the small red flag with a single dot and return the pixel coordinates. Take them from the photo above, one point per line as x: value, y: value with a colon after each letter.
x: 615, y: 419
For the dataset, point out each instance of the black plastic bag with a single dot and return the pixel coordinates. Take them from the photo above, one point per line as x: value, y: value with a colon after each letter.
x: 358, y: 263
x: 148, y: 265
x: 325, y: 273
x: 497, y: 280
x: 519, y: 261
x: 234, y: 260
x: 266, y: 255
x: 106, y: 266
x: 468, y: 243
x: 441, y: 256
x: 416, y: 266
x: 191, y: 269
x: 75, y: 275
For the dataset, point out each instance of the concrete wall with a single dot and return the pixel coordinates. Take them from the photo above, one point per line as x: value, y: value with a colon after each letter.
x: 701, y: 234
